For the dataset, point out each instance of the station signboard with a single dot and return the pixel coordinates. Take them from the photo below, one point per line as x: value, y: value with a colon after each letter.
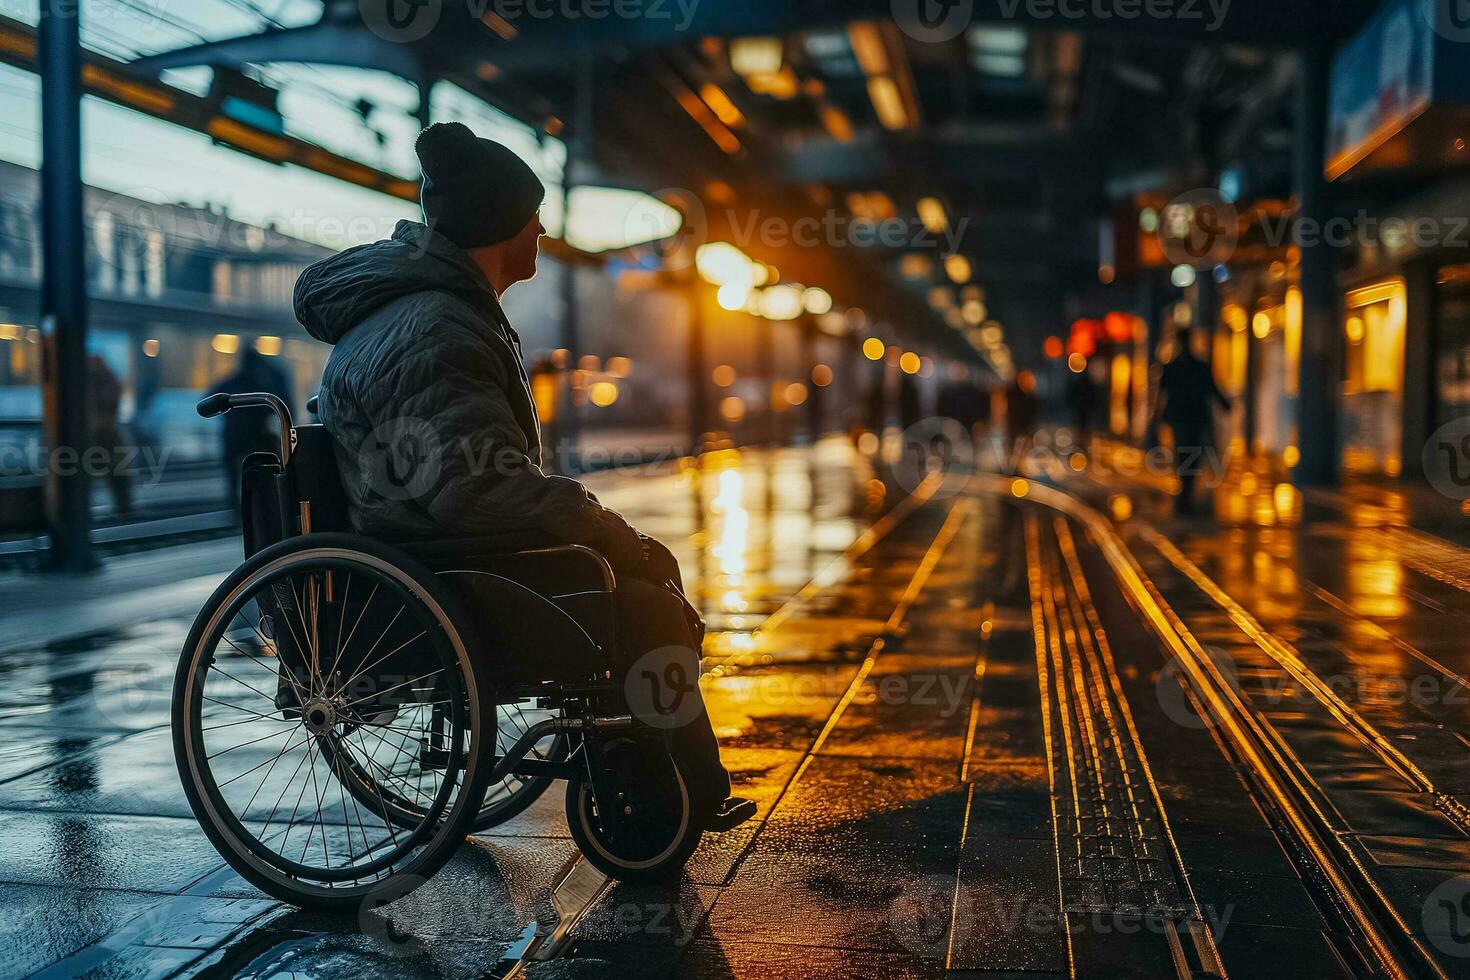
x: 1400, y: 92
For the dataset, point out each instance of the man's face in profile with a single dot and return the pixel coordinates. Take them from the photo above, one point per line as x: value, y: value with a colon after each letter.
x: 524, y: 247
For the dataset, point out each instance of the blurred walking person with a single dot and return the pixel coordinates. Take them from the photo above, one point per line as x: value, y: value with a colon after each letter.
x: 249, y: 432
x: 1020, y: 398
x: 964, y: 401
x: 1187, y: 391
x: 910, y: 401
x: 104, y: 433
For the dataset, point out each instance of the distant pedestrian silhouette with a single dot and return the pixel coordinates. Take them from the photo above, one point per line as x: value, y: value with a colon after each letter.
x: 104, y: 393
x: 253, y: 431
x: 1187, y: 390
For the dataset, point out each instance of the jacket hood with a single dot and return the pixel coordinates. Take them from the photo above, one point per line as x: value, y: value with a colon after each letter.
x: 336, y: 294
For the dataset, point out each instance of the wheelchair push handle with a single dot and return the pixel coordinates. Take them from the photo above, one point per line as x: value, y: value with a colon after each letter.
x: 222, y: 402
x: 216, y: 404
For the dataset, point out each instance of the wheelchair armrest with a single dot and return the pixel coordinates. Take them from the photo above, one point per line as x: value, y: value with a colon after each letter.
x: 509, y: 553
x: 542, y: 613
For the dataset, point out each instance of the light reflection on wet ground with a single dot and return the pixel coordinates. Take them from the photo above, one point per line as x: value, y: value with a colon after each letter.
x: 875, y: 682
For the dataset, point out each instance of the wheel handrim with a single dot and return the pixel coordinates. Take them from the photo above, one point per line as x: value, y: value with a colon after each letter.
x: 334, y: 721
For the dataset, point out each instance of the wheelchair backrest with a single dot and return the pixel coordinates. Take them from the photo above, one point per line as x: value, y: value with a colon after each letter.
x: 272, y: 496
x: 315, y: 479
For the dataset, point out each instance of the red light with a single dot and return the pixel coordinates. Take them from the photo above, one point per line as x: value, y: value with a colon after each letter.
x: 1084, y: 337
x: 1118, y: 327
x: 1053, y: 347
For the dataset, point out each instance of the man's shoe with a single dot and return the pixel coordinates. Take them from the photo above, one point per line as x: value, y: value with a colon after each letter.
x: 730, y: 814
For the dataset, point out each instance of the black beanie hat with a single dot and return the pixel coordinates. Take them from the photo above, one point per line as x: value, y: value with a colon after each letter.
x: 476, y: 192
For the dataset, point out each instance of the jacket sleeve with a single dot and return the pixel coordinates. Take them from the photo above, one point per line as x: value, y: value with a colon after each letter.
x: 477, y: 477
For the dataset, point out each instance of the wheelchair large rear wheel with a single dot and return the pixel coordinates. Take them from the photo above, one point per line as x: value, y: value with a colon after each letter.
x: 321, y: 659
x: 647, y: 830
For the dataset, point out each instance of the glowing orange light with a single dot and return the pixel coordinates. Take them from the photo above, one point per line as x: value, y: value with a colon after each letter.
x: 603, y: 393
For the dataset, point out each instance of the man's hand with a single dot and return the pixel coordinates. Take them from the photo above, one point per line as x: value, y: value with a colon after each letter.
x: 662, y: 568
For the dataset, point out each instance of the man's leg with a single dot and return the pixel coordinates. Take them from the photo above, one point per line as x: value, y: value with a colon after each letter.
x: 659, y: 668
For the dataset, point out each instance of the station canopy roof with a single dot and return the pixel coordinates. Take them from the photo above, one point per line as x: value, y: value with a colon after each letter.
x: 1006, y: 128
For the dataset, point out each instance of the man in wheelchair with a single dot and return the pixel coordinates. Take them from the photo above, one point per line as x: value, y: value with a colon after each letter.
x: 436, y: 435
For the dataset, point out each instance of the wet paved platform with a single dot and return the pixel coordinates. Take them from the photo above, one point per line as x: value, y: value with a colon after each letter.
x: 991, y: 734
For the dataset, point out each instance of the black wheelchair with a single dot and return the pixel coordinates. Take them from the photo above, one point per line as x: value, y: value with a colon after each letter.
x: 347, y: 711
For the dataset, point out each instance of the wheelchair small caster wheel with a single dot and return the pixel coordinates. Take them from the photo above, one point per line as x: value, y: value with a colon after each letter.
x: 649, y: 838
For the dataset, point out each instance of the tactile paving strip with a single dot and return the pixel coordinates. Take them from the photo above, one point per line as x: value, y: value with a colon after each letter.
x: 1114, y: 855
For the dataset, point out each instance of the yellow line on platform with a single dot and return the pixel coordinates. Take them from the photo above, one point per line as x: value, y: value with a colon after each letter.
x: 832, y: 572
x: 957, y: 516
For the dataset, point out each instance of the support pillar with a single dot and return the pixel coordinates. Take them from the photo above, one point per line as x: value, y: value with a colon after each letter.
x: 1320, y: 364
x: 1150, y: 307
x: 1252, y: 394
x: 816, y: 395
x: 579, y: 145
x: 765, y: 369
x: 698, y: 377
x: 1420, y: 357
x: 64, y: 286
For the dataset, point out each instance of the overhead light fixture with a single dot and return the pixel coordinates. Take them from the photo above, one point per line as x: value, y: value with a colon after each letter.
x: 890, y: 85
x: 781, y: 302
x: 707, y: 120
x: 733, y: 295
x: 816, y: 300
x: 957, y: 267
x: 755, y: 55
x: 868, y: 47
x: 835, y: 121
x: 888, y: 103
x: 932, y: 215
x: 833, y: 322
x: 1000, y: 65
x: 827, y: 44
x: 781, y: 84
x: 998, y: 40
x: 717, y: 100
x: 915, y: 266
x: 719, y: 263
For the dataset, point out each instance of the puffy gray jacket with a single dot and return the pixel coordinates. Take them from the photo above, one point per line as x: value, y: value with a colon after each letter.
x: 428, y: 402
